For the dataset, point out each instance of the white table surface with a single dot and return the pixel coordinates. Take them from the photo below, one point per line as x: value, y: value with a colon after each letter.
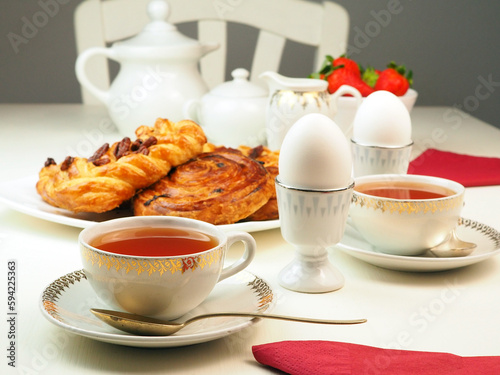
x: 455, y: 311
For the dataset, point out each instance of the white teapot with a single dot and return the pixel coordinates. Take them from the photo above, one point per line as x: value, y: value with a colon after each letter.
x: 233, y: 113
x: 158, y: 73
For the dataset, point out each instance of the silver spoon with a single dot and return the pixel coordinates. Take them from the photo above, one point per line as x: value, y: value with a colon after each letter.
x: 145, y: 326
x: 453, y: 246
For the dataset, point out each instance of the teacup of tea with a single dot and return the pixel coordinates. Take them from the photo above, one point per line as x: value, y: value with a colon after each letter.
x: 405, y: 214
x: 158, y: 266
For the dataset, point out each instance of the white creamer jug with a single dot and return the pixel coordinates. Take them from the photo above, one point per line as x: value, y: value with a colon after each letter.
x: 158, y: 73
x: 292, y: 98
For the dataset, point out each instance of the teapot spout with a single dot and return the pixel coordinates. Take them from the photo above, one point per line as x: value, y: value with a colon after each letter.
x: 208, y: 47
x: 277, y: 82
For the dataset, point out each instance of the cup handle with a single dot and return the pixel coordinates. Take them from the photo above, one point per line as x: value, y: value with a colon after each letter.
x: 245, y: 260
x: 346, y: 89
x: 81, y: 61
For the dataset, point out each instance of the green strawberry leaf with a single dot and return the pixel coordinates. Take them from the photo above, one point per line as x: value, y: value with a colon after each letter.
x: 409, y: 77
x: 370, y: 76
x: 315, y: 75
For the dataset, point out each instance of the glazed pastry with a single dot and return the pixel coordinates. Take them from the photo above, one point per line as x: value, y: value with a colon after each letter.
x: 114, y: 173
x: 219, y: 187
x: 210, y: 147
x: 269, y: 159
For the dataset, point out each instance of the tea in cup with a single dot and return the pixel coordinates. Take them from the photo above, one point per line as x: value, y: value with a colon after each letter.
x: 158, y: 266
x: 405, y: 214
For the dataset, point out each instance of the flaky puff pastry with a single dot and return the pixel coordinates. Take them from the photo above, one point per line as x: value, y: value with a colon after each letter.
x: 269, y: 159
x: 114, y: 173
x: 219, y: 187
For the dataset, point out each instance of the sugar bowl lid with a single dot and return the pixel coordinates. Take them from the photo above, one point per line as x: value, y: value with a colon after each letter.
x: 239, y: 87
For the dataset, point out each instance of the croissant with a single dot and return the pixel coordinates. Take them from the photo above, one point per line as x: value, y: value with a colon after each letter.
x: 269, y: 159
x: 219, y: 187
x: 114, y: 173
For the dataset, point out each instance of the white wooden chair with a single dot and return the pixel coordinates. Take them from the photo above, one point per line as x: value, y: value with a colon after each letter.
x: 322, y: 25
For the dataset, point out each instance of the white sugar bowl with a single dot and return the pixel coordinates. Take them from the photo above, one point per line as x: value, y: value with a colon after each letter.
x: 233, y: 113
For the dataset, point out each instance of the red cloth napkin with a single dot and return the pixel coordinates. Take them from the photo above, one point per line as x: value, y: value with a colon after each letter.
x: 465, y: 169
x: 336, y: 358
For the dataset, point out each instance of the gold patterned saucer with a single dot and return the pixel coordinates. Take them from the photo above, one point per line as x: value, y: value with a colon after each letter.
x: 486, y: 238
x: 66, y: 302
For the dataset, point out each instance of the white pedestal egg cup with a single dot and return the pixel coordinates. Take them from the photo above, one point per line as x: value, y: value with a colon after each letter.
x: 312, y: 220
x: 368, y: 160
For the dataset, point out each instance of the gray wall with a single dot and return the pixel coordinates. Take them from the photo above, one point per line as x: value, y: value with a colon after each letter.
x: 452, y: 46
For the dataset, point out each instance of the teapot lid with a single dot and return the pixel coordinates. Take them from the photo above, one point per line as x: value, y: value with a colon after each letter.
x: 239, y: 87
x: 159, y: 32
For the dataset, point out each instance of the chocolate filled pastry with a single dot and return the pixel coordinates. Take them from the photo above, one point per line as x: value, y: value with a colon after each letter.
x: 219, y: 187
x: 269, y: 159
x: 114, y: 173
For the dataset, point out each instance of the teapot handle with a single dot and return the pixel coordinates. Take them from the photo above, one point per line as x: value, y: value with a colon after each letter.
x: 81, y: 61
x: 346, y: 89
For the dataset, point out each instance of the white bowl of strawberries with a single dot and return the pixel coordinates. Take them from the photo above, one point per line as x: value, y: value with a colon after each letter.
x: 344, y: 71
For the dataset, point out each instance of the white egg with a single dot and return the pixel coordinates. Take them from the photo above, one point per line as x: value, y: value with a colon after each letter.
x: 382, y: 120
x: 315, y: 154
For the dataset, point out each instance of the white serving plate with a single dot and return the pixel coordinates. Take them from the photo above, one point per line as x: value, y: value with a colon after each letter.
x: 21, y: 195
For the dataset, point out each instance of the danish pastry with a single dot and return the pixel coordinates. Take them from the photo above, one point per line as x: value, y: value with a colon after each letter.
x: 114, y: 173
x: 219, y: 187
x: 269, y: 159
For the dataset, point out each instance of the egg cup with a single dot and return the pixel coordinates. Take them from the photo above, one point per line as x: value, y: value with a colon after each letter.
x: 368, y: 160
x: 312, y: 220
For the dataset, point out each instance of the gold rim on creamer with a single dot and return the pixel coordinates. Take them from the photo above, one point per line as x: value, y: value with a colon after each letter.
x: 405, y: 206
x: 153, y: 265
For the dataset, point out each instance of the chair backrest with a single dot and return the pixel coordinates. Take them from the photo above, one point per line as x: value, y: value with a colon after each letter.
x: 323, y: 26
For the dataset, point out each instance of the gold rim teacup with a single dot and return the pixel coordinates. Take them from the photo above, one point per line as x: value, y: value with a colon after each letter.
x: 165, y: 286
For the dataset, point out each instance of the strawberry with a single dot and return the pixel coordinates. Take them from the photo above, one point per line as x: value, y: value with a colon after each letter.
x: 342, y: 71
x: 344, y: 76
x: 347, y: 63
x: 394, y: 79
x: 329, y: 64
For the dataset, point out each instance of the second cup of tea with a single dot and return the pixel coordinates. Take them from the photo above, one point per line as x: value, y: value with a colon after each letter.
x: 405, y: 214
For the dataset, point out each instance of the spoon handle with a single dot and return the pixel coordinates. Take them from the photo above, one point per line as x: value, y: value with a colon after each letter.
x: 144, y: 326
x: 274, y: 316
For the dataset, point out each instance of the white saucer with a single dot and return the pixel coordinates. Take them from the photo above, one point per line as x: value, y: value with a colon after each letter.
x: 21, y: 195
x: 486, y: 238
x: 67, y: 300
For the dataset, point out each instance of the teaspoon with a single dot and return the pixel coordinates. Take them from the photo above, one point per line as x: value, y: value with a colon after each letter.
x: 145, y: 326
x: 453, y: 246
